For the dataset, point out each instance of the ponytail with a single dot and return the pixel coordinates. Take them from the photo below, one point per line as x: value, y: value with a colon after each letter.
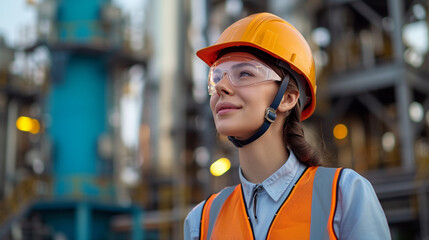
x: 293, y: 136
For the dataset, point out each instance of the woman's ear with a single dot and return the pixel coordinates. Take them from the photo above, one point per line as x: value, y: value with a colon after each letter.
x: 288, y: 101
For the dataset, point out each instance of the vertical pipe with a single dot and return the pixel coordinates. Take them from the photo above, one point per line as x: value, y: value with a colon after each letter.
x: 396, y: 10
x: 403, y: 96
x: 165, y: 69
x: 83, y: 223
x: 402, y: 88
x: 180, y: 99
x: 3, y: 142
x: 137, y: 226
x: 10, y: 146
x: 208, y: 136
x: 167, y: 45
x: 424, y: 211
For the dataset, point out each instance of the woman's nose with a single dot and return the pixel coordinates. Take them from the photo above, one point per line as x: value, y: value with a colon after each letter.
x: 224, y: 85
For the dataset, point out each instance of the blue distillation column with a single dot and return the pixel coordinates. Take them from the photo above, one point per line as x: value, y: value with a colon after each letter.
x: 77, y: 106
x: 77, y: 102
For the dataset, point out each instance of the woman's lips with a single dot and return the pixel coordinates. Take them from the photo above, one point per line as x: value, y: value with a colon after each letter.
x: 225, y: 107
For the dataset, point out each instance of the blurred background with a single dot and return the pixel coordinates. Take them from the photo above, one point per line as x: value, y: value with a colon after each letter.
x: 106, y: 131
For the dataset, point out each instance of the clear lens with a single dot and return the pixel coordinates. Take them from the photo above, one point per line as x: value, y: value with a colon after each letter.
x: 240, y: 71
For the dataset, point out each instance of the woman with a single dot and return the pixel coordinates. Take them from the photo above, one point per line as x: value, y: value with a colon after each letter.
x: 262, y: 84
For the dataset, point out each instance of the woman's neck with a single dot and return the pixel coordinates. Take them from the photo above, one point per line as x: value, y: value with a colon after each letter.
x: 262, y: 158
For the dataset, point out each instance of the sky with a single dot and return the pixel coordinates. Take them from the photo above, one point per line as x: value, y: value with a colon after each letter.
x: 16, y: 15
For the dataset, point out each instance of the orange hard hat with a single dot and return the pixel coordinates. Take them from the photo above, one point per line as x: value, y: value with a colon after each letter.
x: 278, y: 38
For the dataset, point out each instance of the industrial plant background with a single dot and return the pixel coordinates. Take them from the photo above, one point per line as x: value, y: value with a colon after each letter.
x: 106, y: 130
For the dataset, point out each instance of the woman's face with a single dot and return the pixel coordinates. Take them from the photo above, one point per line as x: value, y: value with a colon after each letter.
x: 239, y: 110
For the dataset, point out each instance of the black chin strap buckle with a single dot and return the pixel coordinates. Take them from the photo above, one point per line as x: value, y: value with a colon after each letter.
x: 270, y: 115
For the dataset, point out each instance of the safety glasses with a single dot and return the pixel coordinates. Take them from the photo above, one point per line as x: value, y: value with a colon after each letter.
x: 240, y: 71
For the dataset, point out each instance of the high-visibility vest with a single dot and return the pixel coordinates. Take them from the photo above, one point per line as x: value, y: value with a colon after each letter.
x: 307, y: 213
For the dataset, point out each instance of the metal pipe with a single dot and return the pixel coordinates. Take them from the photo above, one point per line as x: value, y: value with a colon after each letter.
x: 396, y: 8
x: 3, y: 142
x: 11, y: 147
x: 403, y: 95
x: 83, y: 221
x: 423, y: 210
x: 402, y: 89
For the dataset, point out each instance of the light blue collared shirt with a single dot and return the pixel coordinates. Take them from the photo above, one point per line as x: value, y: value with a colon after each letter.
x: 358, y: 215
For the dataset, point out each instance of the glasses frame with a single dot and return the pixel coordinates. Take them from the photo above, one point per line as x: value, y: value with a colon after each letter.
x: 239, y: 58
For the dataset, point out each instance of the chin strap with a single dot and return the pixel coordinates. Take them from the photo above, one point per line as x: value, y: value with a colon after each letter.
x: 270, y: 116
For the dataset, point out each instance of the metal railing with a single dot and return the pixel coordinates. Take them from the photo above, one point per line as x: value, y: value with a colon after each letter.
x: 16, y: 204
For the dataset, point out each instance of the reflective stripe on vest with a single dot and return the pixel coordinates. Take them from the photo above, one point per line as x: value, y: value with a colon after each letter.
x: 225, y: 214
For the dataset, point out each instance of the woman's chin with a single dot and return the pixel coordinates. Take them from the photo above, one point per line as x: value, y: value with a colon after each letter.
x: 227, y: 132
x: 234, y: 132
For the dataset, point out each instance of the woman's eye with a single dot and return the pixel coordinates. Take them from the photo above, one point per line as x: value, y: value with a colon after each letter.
x: 216, y: 79
x: 245, y: 74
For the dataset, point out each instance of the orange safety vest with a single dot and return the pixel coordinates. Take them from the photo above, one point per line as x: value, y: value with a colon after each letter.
x: 307, y: 213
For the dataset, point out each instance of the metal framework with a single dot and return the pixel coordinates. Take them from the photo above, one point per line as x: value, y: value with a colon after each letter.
x: 396, y: 187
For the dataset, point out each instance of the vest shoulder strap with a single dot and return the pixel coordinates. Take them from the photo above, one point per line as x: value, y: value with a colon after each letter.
x: 325, y: 190
x: 215, y: 207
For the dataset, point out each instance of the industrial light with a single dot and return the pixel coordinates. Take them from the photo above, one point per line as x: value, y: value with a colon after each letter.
x: 234, y: 7
x: 415, y: 38
x: 388, y: 141
x: 419, y: 11
x: 416, y: 112
x: 221, y: 166
x: 413, y: 58
x: 321, y: 36
x: 130, y: 176
x: 340, y: 131
x: 202, y: 156
x: 27, y: 124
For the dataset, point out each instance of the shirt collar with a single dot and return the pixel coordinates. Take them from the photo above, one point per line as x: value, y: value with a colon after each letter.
x: 276, y: 184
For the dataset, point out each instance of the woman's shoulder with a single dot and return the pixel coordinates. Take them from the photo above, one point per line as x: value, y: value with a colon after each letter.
x: 359, y: 212
x: 192, y: 222
x: 351, y: 182
x: 196, y: 211
x: 353, y: 188
x: 351, y: 178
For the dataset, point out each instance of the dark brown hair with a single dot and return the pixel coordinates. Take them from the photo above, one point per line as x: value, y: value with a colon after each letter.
x: 293, y: 135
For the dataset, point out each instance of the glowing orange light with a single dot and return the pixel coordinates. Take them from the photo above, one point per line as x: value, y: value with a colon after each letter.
x: 27, y: 124
x: 340, y: 131
x: 36, y: 126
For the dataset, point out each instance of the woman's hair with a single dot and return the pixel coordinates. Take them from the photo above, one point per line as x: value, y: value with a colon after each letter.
x: 293, y: 135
